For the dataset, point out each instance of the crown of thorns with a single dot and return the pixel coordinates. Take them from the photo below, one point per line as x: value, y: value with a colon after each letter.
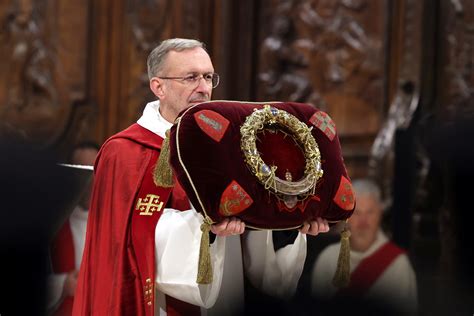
x: 270, y: 117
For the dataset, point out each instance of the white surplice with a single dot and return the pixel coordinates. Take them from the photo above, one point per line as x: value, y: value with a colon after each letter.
x: 177, y: 240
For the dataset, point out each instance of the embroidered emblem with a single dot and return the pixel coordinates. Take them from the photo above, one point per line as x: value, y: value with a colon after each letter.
x: 148, y: 292
x: 324, y: 122
x: 212, y: 123
x: 234, y: 200
x: 344, y: 197
x: 149, y: 204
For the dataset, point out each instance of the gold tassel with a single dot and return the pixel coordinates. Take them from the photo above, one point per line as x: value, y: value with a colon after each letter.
x: 342, y: 276
x: 162, y: 174
x: 205, y: 268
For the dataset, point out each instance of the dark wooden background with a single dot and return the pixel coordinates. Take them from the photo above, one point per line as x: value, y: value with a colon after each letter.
x: 386, y: 71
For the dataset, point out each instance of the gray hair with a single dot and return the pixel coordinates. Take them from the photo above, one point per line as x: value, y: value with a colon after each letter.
x: 158, y: 55
x: 367, y: 186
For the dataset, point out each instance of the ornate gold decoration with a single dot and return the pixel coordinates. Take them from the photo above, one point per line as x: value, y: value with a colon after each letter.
x: 204, y: 264
x: 342, y: 276
x: 149, y: 204
x: 163, y: 174
x: 301, y: 133
x: 148, y: 292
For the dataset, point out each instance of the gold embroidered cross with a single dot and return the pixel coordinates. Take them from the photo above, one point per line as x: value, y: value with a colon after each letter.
x: 149, y: 205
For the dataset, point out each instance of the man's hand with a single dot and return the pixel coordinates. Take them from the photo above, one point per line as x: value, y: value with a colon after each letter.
x: 227, y: 227
x: 315, y: 227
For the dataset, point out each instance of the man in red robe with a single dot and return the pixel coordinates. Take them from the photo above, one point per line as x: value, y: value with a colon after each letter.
x: 68, y: 244
x: 381, y: 274
x: 140, y: 249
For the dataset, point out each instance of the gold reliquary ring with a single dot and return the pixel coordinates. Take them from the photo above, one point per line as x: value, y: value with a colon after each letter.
x: 272, y: 117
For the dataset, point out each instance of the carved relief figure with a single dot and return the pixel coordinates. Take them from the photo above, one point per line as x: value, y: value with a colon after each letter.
x: 344, y: 55
x: 282, y: 66
x: 460, y: 51
x: 147, y: 24
x: 29, y: 75
x: 318, y: 52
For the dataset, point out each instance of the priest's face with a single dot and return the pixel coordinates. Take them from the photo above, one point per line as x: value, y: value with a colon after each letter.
x: 176, y: 94
x: 365, y: 222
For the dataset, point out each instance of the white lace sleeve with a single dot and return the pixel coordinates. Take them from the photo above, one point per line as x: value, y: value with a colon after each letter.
x: 177, y: 242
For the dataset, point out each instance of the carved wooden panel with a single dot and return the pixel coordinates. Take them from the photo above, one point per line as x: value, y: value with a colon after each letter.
x: 43, y: 68
x: 235, y: 26
x: 456, y: 74
x: 331, y: 54
x: 126, y: 32
x: 77, y: 70
x: 146, y: 23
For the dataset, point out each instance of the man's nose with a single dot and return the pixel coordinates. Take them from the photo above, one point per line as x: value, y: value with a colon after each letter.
x: 203, y: 86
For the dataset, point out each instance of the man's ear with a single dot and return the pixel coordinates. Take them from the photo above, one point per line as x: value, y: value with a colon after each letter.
x: 156, y: 87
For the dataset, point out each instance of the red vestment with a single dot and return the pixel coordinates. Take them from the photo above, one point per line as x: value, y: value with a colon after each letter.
x: 370, y: 269
x: 117, y: 274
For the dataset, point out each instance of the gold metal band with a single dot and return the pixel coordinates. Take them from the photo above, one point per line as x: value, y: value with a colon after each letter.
x: 272, y: 117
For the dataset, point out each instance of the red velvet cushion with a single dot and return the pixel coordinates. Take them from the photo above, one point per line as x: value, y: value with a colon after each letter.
x: 207, y: 159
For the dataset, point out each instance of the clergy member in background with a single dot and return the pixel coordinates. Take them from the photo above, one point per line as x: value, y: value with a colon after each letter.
x: 68, y: 245
x: 382, y: 277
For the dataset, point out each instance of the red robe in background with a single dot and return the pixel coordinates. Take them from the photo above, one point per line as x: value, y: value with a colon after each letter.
x: 63, y: 261
x: 117, y: 272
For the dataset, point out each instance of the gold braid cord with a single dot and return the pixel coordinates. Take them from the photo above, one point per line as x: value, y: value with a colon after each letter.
x: 273, y: 117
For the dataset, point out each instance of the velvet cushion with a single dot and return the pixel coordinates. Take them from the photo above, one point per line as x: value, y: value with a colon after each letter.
x: 206, y: 157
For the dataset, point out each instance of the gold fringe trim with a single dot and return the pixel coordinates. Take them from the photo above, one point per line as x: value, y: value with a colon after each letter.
x: 205, y: 268
x: 342, y: 276
x: 163, y: 174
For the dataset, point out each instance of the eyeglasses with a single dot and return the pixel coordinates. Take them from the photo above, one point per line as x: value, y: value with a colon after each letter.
x: 211, y: 79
